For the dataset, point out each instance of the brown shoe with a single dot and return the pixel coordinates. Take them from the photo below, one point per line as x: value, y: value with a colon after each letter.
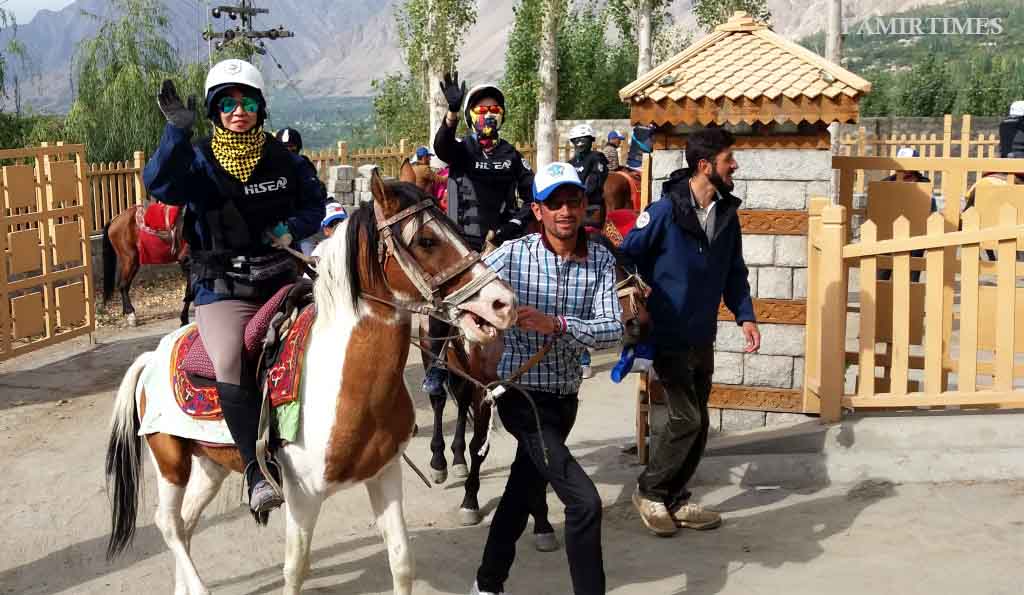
x: 655, y: 516
x: 695, y: 516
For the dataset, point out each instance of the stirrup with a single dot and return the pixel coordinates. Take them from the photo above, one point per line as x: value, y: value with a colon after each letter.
x: 267, y: 497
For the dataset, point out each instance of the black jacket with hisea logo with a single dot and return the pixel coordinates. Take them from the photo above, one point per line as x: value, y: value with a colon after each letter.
x: 482, y: 187
x: 283, y: 188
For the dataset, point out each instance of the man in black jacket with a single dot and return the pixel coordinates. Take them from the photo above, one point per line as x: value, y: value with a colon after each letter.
x: 485, y: 174
x: 592, y: 168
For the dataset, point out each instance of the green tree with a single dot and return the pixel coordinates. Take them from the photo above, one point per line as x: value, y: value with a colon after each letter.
x: 711, y: 13
x: 118, y: 73
x: 879, y: 101
x: 430, y: 33
x: 399, y: 110
x: 520, y: 83
x: 925, y: 90
x: 639, y: 22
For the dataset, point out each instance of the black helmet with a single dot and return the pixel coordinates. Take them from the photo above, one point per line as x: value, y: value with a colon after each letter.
x: 290, y: 136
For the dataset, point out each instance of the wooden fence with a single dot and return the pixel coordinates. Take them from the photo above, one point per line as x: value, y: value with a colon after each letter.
x: 964, y: 144
x: 934, y: 317
x: 45, y: 256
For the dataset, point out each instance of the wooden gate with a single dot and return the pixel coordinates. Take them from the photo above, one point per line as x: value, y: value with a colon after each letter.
x: 45, y: 257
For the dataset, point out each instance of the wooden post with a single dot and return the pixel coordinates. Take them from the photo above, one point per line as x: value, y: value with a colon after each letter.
x: 965, y: 136
x: 342, y: 152
x: 403, y: 148
x: 140, y: 188
x: 833, y: 312
x: 947, y: 136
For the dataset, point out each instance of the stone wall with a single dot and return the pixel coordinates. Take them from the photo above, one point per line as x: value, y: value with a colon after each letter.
x: 767, y: 180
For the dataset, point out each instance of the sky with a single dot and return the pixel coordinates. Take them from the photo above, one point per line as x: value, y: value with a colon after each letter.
x: 24, y: 10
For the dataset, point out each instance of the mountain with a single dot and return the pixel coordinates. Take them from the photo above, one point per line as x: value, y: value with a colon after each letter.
x: 340, y: 46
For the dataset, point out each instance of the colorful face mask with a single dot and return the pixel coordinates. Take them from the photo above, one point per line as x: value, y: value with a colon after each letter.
x: 487, y: 119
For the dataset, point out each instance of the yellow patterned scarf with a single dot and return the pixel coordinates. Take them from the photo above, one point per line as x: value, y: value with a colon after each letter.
x: 238, y: 153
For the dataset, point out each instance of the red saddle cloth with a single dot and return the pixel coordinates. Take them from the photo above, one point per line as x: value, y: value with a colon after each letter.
x: 192, y: 373
x: 156, y: 241
x: 617, y: 225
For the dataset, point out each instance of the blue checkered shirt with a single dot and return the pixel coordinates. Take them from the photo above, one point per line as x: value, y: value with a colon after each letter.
x: 579, y: 290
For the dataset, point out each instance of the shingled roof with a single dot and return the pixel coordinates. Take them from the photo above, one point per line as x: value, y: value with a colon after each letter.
x: 743, y: 72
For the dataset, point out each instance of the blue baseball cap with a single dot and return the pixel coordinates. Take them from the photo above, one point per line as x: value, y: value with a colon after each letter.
x: 333, y: 213
x: 423, y: 152
x: 615, y: 134
x: 551, y: 176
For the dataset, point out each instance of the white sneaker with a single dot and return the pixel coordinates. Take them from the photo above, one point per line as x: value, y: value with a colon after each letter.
x: 476, y: 591
x: 588, y: 372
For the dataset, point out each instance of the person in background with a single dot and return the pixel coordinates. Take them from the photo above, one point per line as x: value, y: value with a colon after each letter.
x: 914, y: 177
x: 432, y: 182
x: 611, y: 149
x: 335, y: 214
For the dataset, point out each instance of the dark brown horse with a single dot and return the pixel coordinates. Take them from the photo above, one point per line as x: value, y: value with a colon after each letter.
x: 121, y: 259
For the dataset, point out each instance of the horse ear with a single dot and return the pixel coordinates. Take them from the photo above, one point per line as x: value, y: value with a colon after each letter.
x: 407, y: 173
x: 384, y: 204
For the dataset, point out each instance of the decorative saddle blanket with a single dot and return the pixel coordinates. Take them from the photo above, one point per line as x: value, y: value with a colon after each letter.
x: 196, y: 392
x: 157, y: 238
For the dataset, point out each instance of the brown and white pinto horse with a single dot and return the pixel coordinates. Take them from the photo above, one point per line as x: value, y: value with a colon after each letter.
x: 121, y: 258
x: 356, y: 415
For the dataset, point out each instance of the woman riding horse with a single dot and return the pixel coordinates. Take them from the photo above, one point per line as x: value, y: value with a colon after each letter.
x: 251, y: 197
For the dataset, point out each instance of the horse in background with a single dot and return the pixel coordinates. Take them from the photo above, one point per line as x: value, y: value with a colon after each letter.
x: 122, y: 258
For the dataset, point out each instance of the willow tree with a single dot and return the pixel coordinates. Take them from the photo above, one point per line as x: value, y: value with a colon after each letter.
x: 117, y: 76
x: 430, y: 33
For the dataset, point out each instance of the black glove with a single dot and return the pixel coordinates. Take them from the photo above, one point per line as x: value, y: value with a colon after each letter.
x: 170, y: 104
x: 509, y: 231
x: 453, y: 93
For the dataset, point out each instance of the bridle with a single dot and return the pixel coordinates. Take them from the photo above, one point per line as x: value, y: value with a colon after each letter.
x: 432, y: 304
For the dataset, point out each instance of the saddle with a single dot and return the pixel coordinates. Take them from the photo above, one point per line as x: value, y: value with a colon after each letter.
x: 160, y: 229
x: 275, y: 338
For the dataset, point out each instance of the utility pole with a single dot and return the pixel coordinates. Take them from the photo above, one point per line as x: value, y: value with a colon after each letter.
x: 834, y: 54
x: 244, y: 11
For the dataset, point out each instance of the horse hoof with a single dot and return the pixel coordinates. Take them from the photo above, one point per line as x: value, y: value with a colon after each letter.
x: 439, y: 476
x: 131, y: 320
x: 469, y: 517
x: 460, y: 471
x: 545, y: 542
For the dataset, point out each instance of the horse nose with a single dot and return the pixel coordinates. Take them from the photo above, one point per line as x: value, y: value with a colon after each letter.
x: 500, y: 306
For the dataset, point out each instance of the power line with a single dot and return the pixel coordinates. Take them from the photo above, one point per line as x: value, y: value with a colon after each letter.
x: 245, y: 11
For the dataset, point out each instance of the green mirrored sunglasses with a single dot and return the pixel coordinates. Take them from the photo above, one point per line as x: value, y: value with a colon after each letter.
x: 229, y: 104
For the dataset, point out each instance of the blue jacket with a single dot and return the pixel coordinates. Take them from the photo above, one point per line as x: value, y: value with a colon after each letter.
x: 180, y: 173
x: 688, y: 274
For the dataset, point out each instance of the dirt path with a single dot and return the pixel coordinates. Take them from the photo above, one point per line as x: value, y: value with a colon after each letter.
x: 872, y: 537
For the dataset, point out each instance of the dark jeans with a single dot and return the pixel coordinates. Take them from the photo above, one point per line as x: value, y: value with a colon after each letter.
x: 686, y: 376
x: 527, y: 480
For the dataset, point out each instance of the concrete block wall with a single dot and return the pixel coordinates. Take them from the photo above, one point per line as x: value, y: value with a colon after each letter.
x: 348, y: 185
x: 772, y: 180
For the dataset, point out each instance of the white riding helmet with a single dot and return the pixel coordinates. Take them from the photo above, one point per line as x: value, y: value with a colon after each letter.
x: 581, y: 130
x: 233, y: 72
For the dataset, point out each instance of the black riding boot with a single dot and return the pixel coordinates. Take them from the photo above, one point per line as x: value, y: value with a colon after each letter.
x: 241, y: 407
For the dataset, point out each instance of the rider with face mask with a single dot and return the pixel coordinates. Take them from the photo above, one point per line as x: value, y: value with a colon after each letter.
x: 485, y: 174
x: 592, y: 168
x: 250, y: 198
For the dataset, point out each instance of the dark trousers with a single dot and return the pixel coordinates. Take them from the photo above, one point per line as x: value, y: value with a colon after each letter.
x: 527, y: 480
x: 686, y: 376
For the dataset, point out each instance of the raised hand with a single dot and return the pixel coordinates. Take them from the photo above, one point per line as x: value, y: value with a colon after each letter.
x: 173, y: 109
x: 453, y: 93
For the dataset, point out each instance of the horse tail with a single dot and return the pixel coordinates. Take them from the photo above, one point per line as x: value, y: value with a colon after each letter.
x: 124, y: 465
x: 109, y: 264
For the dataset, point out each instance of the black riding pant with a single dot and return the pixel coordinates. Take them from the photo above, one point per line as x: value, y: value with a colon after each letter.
x: 527, y: 479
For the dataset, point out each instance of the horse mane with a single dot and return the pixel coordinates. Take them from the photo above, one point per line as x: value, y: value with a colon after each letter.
x: 354, y: 248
